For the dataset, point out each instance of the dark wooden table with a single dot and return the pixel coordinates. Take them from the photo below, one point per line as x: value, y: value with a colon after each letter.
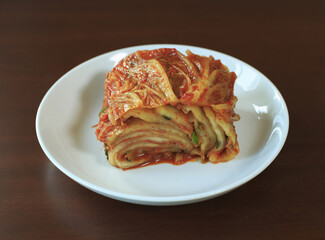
x: 40, y: 41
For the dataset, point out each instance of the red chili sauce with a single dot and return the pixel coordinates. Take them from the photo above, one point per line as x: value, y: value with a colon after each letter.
x: 158, y: 159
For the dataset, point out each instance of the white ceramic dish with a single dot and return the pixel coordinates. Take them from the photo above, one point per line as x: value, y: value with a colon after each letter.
x: 70, y: 108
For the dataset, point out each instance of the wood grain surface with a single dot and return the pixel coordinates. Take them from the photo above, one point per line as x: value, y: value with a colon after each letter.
x: 42, y: 40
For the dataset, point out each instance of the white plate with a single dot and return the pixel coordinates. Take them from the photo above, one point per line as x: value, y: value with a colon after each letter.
x: 70, y: 108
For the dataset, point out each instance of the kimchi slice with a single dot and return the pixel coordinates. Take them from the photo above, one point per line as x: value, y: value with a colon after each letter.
x: 161, y: 105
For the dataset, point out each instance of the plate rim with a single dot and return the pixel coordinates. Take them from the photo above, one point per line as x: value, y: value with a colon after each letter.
x: 161, y: 200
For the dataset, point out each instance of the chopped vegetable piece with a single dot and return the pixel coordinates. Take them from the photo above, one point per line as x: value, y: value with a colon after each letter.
x: 102, y: 110
x: 128, y: 155
x: 195, y: 138
x: 168, y: 118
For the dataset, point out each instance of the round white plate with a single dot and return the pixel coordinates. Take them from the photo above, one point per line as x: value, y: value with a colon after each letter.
x: 70, y: 108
